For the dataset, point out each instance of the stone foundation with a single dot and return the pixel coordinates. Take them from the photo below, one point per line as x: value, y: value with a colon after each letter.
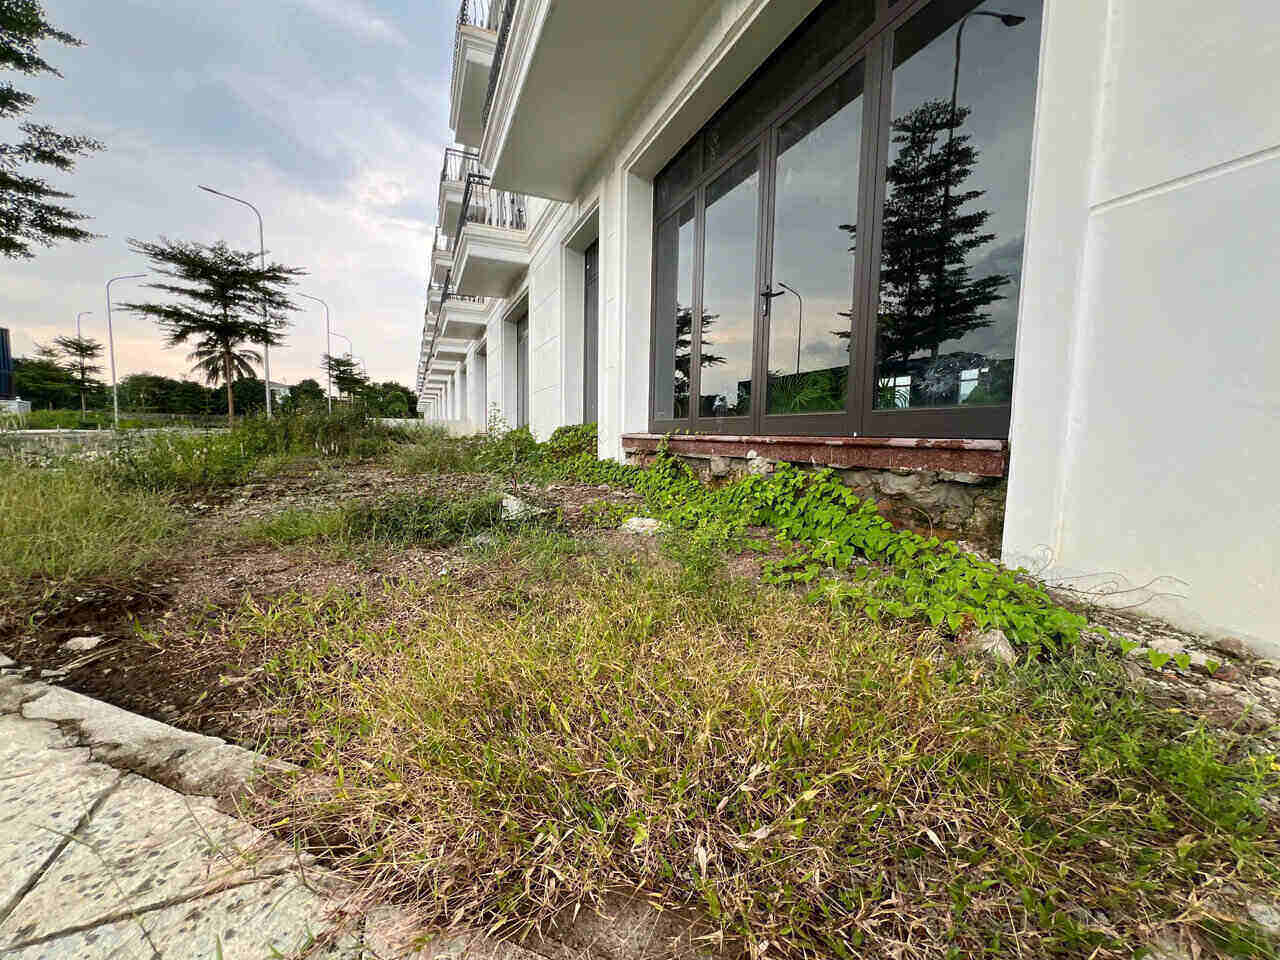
x: 948, y: 504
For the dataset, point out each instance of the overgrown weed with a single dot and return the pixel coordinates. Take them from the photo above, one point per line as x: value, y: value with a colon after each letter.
x: 73, y: 525
x: 581, y: 723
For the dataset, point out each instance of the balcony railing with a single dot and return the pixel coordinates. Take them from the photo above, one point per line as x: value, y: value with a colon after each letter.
x: 458, y: 165
x: 504, y: 31
x: 484, y: 204
x: 474, y: 13
x: 450, y: 294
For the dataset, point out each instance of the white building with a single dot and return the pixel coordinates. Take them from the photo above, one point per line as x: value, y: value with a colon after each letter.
x: 1032, y: 241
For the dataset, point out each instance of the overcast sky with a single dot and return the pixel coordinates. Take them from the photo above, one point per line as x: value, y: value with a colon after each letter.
x: 329, y: 115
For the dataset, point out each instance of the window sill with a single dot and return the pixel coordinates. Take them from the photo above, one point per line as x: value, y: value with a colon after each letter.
x: 983, y: 458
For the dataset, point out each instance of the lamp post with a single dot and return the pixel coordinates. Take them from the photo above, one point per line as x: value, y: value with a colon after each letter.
x: 350, y: 346
x: 262, y: 262
x: 328, y: 348
x: 799, y: 323
x: 111, y: 348
x: 80, y: 346
x: 1009, y: 20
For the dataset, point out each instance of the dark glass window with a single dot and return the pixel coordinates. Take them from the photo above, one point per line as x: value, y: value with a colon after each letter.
x: 673, y: 336
x: 815, y: 216
x: 963, y: 102
x: 857, y: 266
x: 678, y: 176
x: 814, y: 45
x: 728, y: 290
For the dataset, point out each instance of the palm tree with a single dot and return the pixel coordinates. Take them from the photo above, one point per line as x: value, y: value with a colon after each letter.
x: 225, y: 299
x: 211, y: 357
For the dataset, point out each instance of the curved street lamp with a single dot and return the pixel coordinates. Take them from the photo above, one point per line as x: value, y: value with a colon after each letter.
x: 262, y: 262
x: 328, y: 347
x: 111, y: 348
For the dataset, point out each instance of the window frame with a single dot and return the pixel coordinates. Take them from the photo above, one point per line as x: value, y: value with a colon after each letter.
x: 859, y: 418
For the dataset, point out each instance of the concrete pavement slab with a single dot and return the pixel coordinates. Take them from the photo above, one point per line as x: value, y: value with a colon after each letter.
x: 269, y: 918
x: 144, y: 846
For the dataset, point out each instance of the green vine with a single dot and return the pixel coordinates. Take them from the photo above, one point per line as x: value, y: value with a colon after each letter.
x: 838, y: 543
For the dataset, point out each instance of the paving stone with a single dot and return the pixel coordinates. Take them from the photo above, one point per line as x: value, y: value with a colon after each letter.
x: 44, y: 793
x: 278, y: 917
x: 144, y: 846
x: 644, y: 526
x: 189, y: 762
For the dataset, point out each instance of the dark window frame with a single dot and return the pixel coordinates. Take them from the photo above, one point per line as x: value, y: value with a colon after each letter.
x: 874, y: 46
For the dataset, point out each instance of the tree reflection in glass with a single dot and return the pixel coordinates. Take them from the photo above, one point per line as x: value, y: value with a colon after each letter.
x: 948, y: 288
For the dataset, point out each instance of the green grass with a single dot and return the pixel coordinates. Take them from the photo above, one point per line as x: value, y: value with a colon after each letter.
x: 579, y: 722
x: 400, y: 519
x: 70, y: 525
x: 200, y: 461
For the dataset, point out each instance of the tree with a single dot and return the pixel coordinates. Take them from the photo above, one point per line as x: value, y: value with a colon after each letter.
x: 927, y: 296
x: 30, y: 208
x: 684, y: 354
x: 43, y: 379
x: 80, y: 354
x: 305, y: 394
x: 389, y: 399
x: 221, y: 297
x: 344, y: 373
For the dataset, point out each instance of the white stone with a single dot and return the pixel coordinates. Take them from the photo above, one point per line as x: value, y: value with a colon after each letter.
x: 644, y: 526
x: 994, y: 644
x: 82, y: 644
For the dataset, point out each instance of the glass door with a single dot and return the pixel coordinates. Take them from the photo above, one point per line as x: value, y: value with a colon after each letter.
x: 809, y: 301
x: 725, y: 338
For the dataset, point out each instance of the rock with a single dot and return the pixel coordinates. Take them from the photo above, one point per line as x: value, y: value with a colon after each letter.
x: 513, y: 508
x: 970, y: 479
x: 643, y: 526
x: 758, y: 465
x: 993, y: 644
x: 1231, y: 645
x: 1267, y: 916
x: 721, y: 466
x: 81, y: 644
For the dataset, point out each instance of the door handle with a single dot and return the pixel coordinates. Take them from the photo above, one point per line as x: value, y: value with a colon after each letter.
x: 769, y: 293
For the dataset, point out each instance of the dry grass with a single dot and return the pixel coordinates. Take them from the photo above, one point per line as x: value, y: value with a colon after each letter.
x: 570, y: 723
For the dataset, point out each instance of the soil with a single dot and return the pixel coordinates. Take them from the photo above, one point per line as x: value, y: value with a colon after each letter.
x: 193, y: 679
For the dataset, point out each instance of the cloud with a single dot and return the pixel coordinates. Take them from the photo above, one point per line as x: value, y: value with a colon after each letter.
x: 355, y: 17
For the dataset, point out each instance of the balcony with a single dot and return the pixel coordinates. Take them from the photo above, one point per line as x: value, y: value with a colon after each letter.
x: 463, y: 317
x: 441, y: 257
x: 472, y: 59
x: 457, y: 167
x: 566, y: 75
x: 491, y: 251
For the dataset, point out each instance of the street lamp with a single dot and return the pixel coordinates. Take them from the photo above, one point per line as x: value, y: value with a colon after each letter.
x: 328, y: 348
x: 799, y: 323
x: 111, y: 348
x: 1008, y: 19
x: 262, y: 260
x: 80, y: 348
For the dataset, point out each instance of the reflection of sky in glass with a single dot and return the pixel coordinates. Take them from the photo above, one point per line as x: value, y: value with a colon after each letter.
x: 816, y: 192
x: 998, y: 85
x: 729, y: 284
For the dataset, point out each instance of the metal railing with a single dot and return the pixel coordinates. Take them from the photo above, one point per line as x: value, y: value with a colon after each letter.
x: 459, y: 164
x: 504, y: 31
x: 484, y: 204
x: 474, y: 13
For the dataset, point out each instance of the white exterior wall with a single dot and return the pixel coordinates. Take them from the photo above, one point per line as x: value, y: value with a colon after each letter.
x: 1146, y: 433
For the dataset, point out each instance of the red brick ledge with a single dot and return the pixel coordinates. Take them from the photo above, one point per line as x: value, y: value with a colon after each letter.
x: 984, y: 458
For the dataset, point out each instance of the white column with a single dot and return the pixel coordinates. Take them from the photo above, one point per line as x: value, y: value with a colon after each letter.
x: 477, y: 385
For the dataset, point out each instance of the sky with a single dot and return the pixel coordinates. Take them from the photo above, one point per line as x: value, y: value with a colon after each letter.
x: 329, y: 115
